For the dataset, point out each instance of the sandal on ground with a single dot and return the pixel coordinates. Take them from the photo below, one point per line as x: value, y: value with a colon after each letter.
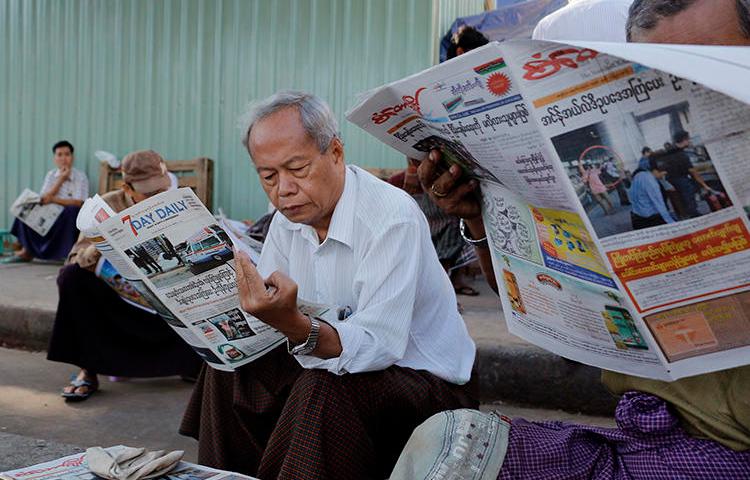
x: 466, y: 290
x: 75, y: 395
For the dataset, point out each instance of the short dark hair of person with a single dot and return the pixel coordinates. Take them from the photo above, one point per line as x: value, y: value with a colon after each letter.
x: 61, y: 144
x: 680, y: 136
x: 451, y: 53
x: 645, y: 14
x: 470, y: 38
x: 645, y: 151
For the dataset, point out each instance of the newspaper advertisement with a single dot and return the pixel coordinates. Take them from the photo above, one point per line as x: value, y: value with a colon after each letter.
x: 29, y: 210
x: 614, y: 195
x: 180, y: 261
x: 74, y: 467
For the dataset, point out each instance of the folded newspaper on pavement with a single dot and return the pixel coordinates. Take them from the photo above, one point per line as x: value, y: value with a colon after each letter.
x: 180, y: 259
x: 29, y: 210
x: 632, y: 264
x: 74, y: 467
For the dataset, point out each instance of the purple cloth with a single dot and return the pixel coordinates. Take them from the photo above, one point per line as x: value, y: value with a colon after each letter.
x: 648, y: 444
x: 57, y: 243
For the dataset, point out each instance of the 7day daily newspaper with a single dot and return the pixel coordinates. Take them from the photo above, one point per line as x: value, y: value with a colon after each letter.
x: 180, y: 260
x: 555, y: 135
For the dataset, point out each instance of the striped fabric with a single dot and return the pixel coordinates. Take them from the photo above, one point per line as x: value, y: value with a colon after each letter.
x: 275, y: 420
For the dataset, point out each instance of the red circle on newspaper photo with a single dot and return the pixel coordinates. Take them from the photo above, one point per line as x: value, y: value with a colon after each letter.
x: 498, y: 84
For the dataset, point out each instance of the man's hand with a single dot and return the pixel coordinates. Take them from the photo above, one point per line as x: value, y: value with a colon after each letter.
x: 452, y: 192
x: 64, y: 174
x: 273, y: 300
x: 47, y: 199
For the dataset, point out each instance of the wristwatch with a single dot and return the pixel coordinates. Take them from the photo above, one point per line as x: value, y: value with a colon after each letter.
x: 311, y: 342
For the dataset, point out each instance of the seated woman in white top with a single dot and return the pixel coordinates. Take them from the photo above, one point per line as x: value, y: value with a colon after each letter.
x: 64, y: 186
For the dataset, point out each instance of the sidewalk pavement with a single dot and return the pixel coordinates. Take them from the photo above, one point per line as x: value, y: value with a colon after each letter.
x: 136, y: 412
x: 509, y: 369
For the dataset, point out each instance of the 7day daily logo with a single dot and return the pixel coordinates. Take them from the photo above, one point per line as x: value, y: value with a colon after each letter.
x: 151, y: 218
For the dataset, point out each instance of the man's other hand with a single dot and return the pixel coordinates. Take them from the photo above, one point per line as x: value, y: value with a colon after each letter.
x: 453, y: 192
x: 273, y: 300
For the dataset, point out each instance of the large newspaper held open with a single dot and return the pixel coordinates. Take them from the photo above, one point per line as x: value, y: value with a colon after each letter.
x: 555, y: 134
x: 28, y: 209
x: 180, y: 260
x: 74, y: 467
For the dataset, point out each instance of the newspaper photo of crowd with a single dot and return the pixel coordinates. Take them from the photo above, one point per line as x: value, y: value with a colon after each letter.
x: 168, y: 264
x: 641, y: 170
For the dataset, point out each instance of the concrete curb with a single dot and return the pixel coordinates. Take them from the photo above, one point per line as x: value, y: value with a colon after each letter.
x: 522, y: 375
x: 26, y: 327
x: 535, y: 377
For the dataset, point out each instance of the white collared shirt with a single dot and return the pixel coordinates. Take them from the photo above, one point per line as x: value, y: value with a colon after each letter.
x: 378, y: 259
x: 76, y: 186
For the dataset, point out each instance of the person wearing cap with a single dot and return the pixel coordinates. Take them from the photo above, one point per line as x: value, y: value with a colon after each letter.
x: 94, y: 328
x: 65, y: 186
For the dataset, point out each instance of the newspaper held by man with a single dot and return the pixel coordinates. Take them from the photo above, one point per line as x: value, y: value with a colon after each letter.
x: 181, y: 260
x: 28, y: 208
x: 75, y: 467
x: 615, y: 195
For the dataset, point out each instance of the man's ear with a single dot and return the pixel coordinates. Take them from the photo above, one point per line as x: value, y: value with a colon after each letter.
x: 337, y: 149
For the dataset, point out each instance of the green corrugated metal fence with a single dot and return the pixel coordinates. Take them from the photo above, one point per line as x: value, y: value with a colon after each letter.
x: 174, y: 75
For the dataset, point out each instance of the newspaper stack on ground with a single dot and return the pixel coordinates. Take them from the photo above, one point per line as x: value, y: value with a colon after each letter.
x: 175, y: 254
x: 555, y: 134
x: 28, y: 209
x: 74, y: 467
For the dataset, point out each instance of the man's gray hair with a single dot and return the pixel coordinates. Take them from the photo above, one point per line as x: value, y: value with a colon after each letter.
x: 317, y: 118
x: 645, y: 14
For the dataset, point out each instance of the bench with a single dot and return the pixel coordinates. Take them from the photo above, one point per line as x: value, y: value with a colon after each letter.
x: 197, y: 174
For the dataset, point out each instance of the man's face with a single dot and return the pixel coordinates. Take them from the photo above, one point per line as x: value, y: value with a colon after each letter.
x: 705, y: 22
x: 63, y: 157
x: 302, y: 183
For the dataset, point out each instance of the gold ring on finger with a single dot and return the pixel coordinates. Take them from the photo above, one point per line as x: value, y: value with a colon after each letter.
x: 436, y: 192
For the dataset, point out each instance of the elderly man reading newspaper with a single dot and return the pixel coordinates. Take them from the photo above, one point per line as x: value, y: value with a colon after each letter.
x: 340, y: 399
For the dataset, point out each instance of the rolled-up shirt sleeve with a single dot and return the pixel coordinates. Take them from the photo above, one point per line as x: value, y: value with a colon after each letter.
x: 376, y: 335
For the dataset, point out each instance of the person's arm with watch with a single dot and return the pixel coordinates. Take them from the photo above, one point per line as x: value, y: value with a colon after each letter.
x: 457, y: 195
x: 274, y: 302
